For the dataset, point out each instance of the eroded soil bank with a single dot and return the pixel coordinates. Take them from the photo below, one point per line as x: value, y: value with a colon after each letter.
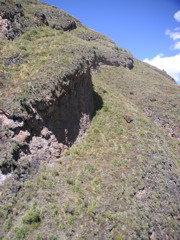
x: 50, y: 128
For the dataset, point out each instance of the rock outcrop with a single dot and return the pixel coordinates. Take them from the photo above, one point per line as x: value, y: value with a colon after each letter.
x: 15, y: 18
x: 49, y: 128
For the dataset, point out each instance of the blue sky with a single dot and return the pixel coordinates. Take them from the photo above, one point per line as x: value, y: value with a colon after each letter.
x: 144, y: 27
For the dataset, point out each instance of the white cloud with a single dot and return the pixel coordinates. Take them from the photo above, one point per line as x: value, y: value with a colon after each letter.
x: 177, y: 46
x: 177, y: 16
x: 177, y: 29
x: 173, y: 34
x: 170, y: 64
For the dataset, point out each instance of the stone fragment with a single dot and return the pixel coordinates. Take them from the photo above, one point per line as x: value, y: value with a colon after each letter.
x: 141, y: 194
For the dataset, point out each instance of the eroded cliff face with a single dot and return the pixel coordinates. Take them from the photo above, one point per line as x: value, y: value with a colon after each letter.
x: 46, y: 92
x: 50, y: 128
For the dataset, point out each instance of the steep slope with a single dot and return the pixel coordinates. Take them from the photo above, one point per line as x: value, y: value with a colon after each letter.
x: 46, y: 88
x: 150, y: 89
x: 120, y: 181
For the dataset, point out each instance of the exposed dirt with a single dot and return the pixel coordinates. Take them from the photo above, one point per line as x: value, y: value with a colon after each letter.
x: 50, y: 129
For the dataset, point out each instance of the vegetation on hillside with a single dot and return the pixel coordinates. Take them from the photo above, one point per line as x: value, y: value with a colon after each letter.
x: 121, y: 180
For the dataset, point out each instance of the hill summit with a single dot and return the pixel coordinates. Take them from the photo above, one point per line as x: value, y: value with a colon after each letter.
x: 89, y: 135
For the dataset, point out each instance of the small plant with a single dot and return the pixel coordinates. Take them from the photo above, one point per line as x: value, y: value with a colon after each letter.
x: 62, y: 226
x: 106, y: 109
x: 29, y: 35
x: 96, y: 185
x: 7, y: 225
x: 28, y: 196
x: 22, y: 47
x: 52, y: 237
x: 111, y: 216
x: 118, y: 48
x: 55, y: 172
x: 54, y: 211
x: 69, y: 152
x: 90, y: 168
x: 70, y: 220
x: 77, y: 151
x: 143, y: 120
x: 117, y: 162
x: 120, y: 130
x: 91, y: 210
x: 142, y: 133
x: 120, y: 237
x: 38, y: 237
x: 77, y: 187
x: 20, y: 232
x: 32, y: 217
x: 5, y: 211
x: 69, y: 181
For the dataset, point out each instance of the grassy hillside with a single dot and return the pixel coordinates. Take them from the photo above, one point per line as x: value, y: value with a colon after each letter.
x: 120, y: 181
x: 150, y: 89
x: 44, y: 56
